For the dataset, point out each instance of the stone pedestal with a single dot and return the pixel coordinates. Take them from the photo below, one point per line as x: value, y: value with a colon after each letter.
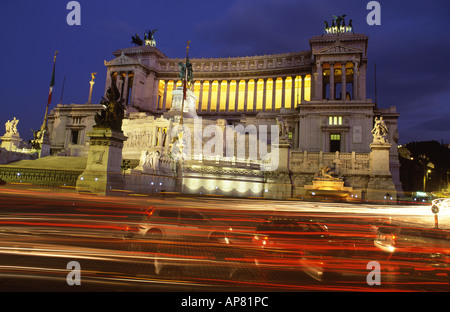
x: 380, y: 186
x: 379, y: 158
x: 278, y: 183
x: 44, y: 143
x: 189, y: 108
x: 103, y: 175
x: 11, y: 142
x: 280, y: 157
x: 328, y: 188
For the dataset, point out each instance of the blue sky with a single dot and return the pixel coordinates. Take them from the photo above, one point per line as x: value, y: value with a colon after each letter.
x: 410, y: 48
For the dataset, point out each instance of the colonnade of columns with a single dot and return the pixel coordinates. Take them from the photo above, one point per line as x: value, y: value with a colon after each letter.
x: 320, y: 84
x: 263, y: 94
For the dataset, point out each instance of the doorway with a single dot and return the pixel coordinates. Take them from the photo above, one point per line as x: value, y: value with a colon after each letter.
x: 335, y: 143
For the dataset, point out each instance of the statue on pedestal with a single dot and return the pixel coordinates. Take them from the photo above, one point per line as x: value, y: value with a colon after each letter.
x: 379, y: 131
x: 113, y: 113
x: 325, y: 173
x: 283, y: 128
x: 149, y: 37
x: 11, y: 127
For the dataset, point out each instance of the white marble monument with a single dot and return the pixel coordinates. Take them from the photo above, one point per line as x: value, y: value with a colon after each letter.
x: 11, y: 139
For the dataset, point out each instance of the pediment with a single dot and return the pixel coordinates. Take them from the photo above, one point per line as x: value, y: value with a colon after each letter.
x: 123, y: 60
x: 338, y: 48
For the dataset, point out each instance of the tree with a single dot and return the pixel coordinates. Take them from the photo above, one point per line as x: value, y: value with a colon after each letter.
x: 431, y: 153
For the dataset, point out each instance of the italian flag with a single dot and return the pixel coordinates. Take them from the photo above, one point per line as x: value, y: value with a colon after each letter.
x: 52, y: 83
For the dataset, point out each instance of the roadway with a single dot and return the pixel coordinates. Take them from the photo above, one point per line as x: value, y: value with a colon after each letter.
x: 42, y: 230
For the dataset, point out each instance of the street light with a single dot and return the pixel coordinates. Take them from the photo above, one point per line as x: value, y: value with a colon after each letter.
x: 425, y: 179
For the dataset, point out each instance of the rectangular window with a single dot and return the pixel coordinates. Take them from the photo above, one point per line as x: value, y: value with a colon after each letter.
x: 335, y: 120
x: 335, y: 137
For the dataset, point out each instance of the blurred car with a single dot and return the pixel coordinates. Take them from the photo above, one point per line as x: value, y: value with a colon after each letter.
x: 291, y: 243
x: 209, y: 264
x: 421, y: 197
x: 178, y: 224
x: 415, y: 250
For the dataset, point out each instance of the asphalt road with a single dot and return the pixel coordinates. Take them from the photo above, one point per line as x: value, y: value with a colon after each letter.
x: 42, y: 231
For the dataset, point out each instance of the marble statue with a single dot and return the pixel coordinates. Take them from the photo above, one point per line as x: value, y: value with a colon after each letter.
x: 325, y: 173
x: 379, y: 131
x: 283, y: 128
x: 8, y: 125
x: 11, y: 127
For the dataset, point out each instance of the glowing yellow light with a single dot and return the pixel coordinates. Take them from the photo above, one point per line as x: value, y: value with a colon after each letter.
x: 269, y: 94
x: 232, y: 96
x: 260, y: 94
x: 205, y: 95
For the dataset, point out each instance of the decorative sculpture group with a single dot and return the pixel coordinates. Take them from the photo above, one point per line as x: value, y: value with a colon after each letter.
x: 149, y: 160
x: 338, y: 25
x: 149, y: 38
x: 325, y: 173
x: 380, y: 131
x: 113, y: 113
x: 38, y: 136
x: 11, y: 127
x: 283, y: 128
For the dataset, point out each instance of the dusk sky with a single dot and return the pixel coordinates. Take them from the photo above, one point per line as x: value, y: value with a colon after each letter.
x: 411, y: 48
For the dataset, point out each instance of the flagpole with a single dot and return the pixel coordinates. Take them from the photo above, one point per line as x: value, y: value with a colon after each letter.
x: 44, y: 123
x: 62, y: 92
x: 185, y: 82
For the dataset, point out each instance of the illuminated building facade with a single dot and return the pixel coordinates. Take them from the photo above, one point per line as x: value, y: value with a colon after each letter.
x: 320, y: 93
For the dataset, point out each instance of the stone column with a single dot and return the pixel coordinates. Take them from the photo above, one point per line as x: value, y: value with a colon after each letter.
x: 227, y: 103
x: 219, y: 88
x: 165, y: 95
x: 355, y: 81
x: 108, y: 81
x: 255, y: 94
x: 362, y: 81
x: 318, y: 80
x: 118, y: 75
x: 303, y: 89
x: 200, y: 100
x: 90, y: 91
x: 236, y: 103
x: 274, y: 92
x: 283, y: 92
x: 344, y: 81
x: 125, y: 89
x: 245, y: 94
x: 264, y: 94
x: 293, y: 99
x: 209, y: 95
x: 332, y: 89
